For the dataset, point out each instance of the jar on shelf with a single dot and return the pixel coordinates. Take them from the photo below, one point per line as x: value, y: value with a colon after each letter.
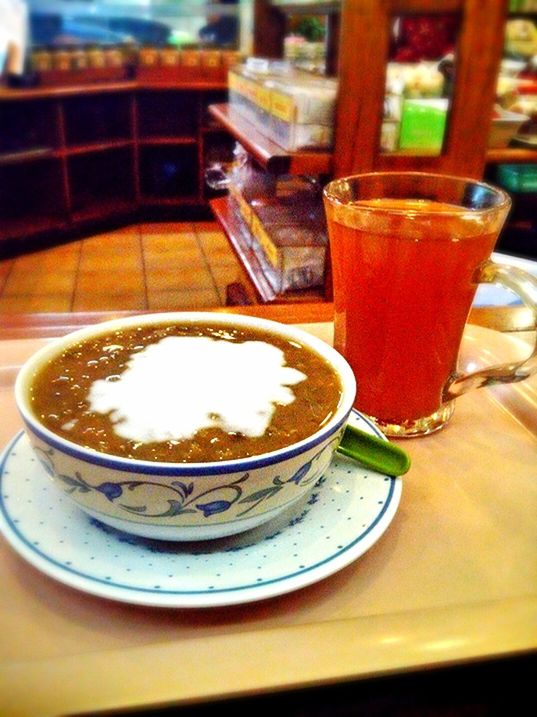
x: 96, y: 58
x: 169, y: 56
x: 113, y: 56
x: 149, y: 56
x: 79, y: 58
x: 41, y: 59
x: 210, y: 58
x: 231, y: 58
x: 190, y: 57
x: 61, y: 59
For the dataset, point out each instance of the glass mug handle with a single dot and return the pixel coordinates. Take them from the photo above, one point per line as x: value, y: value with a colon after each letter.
x: 525, y: 286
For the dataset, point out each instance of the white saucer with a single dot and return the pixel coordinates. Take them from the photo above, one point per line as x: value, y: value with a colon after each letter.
x: 347, y: 512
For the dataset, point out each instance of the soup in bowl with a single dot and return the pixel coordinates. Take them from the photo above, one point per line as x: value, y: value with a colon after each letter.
x: 187, y: 425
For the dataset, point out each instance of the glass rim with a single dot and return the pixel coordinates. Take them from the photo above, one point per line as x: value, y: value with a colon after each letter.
x: 504, y: 203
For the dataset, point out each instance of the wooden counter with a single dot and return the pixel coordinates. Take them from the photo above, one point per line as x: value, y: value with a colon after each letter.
x: 41, y: 325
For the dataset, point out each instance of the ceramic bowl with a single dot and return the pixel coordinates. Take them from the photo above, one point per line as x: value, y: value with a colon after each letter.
x: 185, y: 501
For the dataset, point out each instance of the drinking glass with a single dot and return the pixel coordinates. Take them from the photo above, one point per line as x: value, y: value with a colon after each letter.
x: 408, y: 250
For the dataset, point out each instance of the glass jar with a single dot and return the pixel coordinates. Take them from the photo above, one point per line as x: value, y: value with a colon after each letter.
x: 61, y: 59
x: 113, y: 56
x: 169, y: 56
x: 190, y: 57
x: 149, y: 56
x: 41, y: 59
x: 79, y: 58
x: 96, y: 58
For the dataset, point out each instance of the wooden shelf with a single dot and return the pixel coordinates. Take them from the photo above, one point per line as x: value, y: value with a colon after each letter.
x: 30, y: 225
x: 84, y: 153
x: 27, y: 155
x: 197, y: 85
x: 155, y: 141
x: 44, y: 92
x: 98, y: 146
x: 238, y: 236
x: 318, y: 7
x: 266, y: 152
x: 157, y: 200
x: 104, y: 208
x: 512, y: 155
x: 76, y: 89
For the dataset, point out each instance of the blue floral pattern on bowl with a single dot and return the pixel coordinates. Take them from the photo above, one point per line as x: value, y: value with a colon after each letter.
x: 179, y: 497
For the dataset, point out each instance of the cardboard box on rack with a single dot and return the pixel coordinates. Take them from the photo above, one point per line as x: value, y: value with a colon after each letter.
x: 293, y: 108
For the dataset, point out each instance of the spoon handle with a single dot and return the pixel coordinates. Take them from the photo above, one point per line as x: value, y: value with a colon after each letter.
x: 373, y: 452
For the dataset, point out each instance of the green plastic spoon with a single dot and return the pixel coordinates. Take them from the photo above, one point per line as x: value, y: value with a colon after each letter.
x: 373, y: 452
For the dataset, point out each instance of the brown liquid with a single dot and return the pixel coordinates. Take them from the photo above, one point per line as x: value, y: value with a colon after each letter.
x: 60, y: 390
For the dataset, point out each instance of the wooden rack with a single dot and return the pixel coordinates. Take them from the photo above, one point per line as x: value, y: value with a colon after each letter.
x: 359, y: 42
x: 241, y: 242
x: 78, y: 154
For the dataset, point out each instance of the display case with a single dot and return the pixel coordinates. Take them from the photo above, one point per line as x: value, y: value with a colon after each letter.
x: 83, y: 154
x: 361, y: 66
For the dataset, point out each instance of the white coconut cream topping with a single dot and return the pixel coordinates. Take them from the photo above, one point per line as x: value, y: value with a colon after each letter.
x: 173, y: 388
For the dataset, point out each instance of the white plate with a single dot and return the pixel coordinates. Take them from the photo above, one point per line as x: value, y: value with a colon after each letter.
x: 345, y: 514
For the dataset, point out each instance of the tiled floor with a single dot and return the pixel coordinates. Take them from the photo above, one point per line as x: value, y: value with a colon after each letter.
x: 162, y: 266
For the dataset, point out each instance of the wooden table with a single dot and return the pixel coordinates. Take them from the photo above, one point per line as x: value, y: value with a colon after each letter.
x: 14, y: 326
x: 453, y: 581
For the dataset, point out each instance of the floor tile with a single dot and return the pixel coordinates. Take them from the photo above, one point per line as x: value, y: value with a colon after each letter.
x: 213, y: 240
x: 157, y: 266
x: 180, y: 300
x: 224, y: 275
x: 201, y: 227
x: 51, y: 283
x: 125, y: 301
x: 5, y: 269
x: 168, y: 258
x: 111, y: 283
x: 49, y: 259
x: 111, y: 244
x: 37, y: 304
x: 167, y: 242
x: 131, y: 230
x: 217, y: 250
x: 182, y: 278
x: 111, y: 262
x: 176, y: 228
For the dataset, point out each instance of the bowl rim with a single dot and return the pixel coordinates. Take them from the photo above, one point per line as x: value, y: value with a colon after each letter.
x: 145, y: 467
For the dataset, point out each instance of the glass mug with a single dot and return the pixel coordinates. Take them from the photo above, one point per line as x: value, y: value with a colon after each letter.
x: 408, y: 250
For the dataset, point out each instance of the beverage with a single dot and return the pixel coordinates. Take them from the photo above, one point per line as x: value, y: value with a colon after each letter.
x: 408, y: 251
x: 402, y: 270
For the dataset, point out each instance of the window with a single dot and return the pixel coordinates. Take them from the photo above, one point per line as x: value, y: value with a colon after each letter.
x: 145, y: 22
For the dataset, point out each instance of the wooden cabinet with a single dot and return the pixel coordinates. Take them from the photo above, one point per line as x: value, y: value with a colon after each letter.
x: 359, y: 36
x: 33, y: 198
x: 73, y: 155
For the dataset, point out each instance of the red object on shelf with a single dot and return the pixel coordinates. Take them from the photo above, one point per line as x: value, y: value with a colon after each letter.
x: 424, y: 37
